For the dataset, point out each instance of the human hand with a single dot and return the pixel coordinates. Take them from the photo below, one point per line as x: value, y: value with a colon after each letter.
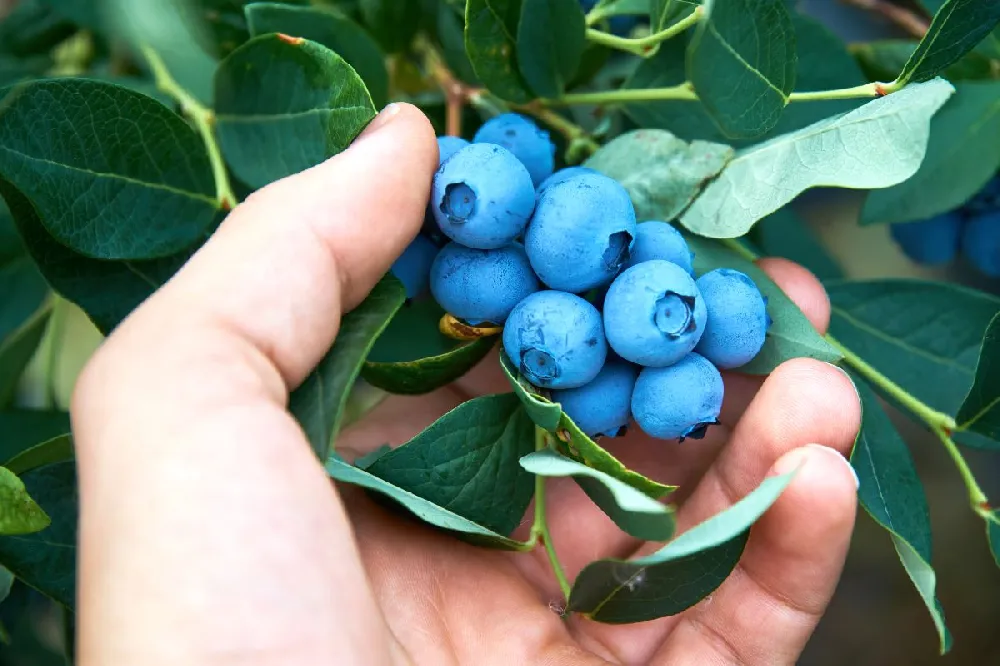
x: 211, y: 535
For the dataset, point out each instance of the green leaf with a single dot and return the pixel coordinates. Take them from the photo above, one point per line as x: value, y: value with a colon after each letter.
x: 957, y: 27
x: 550, y: 43
x: 664, y: 12
x: 791, y: 335
x: 572, y: 441
x: 490, y: 30
x: 451, y: 33
x: 634, y: 512
x: 878, y: 145
x: 46, y: 560
x: 466, y: 463
x: 333, y: 30
x: 286, y: 104
x: 56, y: 450
x: 741, y: 62
x: 85, y: 13
x: 32, y: 27
x: 891, y: 493
x: 883, y: 60
x: 319, y: 402
x: 23, y: 314
x: 924, y: 336
x: 19, y: 514
x: 23, y: 429
x: 94, y: 166
x: 393, y: 22
x: 680, y: 574
x: 6, y: 582
x: 785, y: 234
x: 17, y: 350
x: 662, y: 173
x: 980, y: 412
x: 962, y: 156
x: 106, y: 290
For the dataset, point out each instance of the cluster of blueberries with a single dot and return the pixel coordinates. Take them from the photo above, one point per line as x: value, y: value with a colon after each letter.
x: 972, y: 231
x: 603, y: 312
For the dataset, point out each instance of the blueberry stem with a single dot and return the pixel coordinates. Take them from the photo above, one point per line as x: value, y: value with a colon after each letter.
x: 204, y: 121
x: 540, y: 528
x: 642, y: 46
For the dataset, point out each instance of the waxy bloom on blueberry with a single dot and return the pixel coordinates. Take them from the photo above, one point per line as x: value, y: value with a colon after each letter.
x: 563, y: 175
x: 582, y: 233
x: 737, y: 318
x: 981, y: 242
x: 448, y: 146
x: 654, y: 314
x: 524, y: 139
x: 930, y: 242
x: 481, y: 286
x: 482, y: 197
x: 556, y: 340
x: 680, y: 401
x: 602, y: 406
x: 413, y: 268
x: 659, y: 240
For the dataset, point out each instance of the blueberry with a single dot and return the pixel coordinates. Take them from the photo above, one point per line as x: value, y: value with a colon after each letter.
x: 680, y: 401
x: 482, y: 197
x: 448, y: 146
x: 562, y: 176
x: 522, y: 137
x: 413, y: 267
x: 602, y: 406
x: 659, y: 240
x: 986, y: 200
x: 737, y: 318
x: 930, y: 242
x: 981, y: 243
x: 582, y: 233
x: 556, y: 340
x: 481, y: 286
x: 620, y: 25
x: 654, y: 314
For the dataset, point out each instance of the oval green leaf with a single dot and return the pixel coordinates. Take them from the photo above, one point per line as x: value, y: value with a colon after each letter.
x: 285, y: 104
x: 550, y: 43
x: 634, y: 512
x: 680, y: 574
x: 878, y: 145
x: 94, y: 166
x: 19, y: 514
x: 958, y: 26
x: 980, y: 412
x: 491, y: 42
x: 741, y: 62
x: 55, y: 450
x: 394, y: 23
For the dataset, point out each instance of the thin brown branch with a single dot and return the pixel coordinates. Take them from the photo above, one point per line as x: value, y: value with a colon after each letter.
x: 908, y: 20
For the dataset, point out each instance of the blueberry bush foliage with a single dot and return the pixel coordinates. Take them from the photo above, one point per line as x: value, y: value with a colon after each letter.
x: 129, y: 128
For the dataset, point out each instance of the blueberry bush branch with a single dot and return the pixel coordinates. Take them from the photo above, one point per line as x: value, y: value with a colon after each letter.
x: 540, y: 528
x: 204, y: 121
x: 644, y: 46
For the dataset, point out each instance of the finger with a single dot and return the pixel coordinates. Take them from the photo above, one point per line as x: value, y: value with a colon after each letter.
x: 768, y: 608
x: 185, y: 447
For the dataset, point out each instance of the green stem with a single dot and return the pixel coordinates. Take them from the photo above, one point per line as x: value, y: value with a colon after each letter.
x: 204, y: 121
x: 540, y: 529
x: 644, y: 46
x: 976, y: 495
x: 573, y: 132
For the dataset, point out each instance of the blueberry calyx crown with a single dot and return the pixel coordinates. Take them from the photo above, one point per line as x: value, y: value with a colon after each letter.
x: 619, y: 251
x: 459, y: 203
x: 539, y: 366
x: 699, y: 431
x: 673, y: 314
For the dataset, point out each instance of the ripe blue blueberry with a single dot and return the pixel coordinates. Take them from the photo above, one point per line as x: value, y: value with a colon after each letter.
x: 981, y: 242
x: 522, y: 137
x: 654, y: 314
x: 556, y: 340
x: 413, y: 267
x: 448, y: 146
x: 482, y: 197
x: 930, y: 242
x: 737, y: 318
x: 680, y: 401
x: 562, y: 176
x: 602, y: 406
x: 582, y: 233
x: 481, y: 286
x: 620, y: 25
x: 659, y: 240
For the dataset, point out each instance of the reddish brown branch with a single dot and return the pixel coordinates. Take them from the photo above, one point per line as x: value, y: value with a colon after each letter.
x: 908, y: 20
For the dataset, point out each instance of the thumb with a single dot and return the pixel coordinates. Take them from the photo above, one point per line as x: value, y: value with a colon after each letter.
x: 288, y: 261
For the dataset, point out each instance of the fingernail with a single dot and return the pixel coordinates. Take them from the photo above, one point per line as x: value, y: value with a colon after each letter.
x: 849, y: 378
x: 382, y: 119
x: 826, y: 450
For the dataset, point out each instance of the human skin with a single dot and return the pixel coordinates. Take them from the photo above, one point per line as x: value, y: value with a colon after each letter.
x: 211, y: 535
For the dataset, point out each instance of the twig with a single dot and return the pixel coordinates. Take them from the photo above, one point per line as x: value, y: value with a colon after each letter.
x: 906, y: 19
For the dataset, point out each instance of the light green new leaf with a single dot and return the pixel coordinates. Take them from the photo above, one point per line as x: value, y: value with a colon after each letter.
x: 678, y: 575
x: 19, y: 514
x: 466, y: 462
x: 491, y: 42
x: 550, y: 43
x: 634, y: 512
x: 741, y: 62
x: 878, y: 145
x: 791, y: 335
x: 333, y: 30
x: 962, y: 156
x: 285, y: 104
x: 958, y: 26
x: 94, y: 166
x: 318, y: 404
x: 891, y: 493
x: 981, y: 410
x: 662, y: 173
